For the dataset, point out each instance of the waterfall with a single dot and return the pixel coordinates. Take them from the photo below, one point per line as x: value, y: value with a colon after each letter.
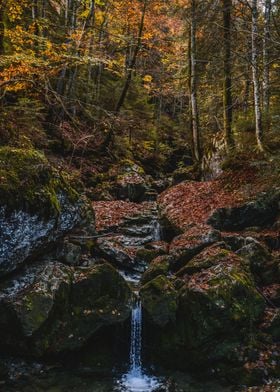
x: 136, y: 339
x: 157, y: 231
x: 136, y: 380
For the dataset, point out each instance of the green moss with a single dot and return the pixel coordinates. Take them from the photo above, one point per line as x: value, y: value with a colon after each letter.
x: 159, y: 299
x: 28, y: 181
x: 159, y: 267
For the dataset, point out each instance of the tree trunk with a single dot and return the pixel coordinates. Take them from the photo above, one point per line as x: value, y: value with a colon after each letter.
x: 255, y: 69
x: 132, y: 61
x: 266, y: 68
x: 227, y: 8
x: 2, y: 29
x: 193, y: 85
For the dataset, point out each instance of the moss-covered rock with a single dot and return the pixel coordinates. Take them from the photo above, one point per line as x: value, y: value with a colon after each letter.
x: 159, y: 299
x: 159, y: 266
x: 185, y: 246
x: 37, y: 207
x: 218, y: 309
x: 131, y: 181
x: 51, y: 308
x: 207, y: 258
x: 29, y: 182
x: 147, y: 255
x: 260, y: 261
x: 220, y: 303
x: 186, y: 173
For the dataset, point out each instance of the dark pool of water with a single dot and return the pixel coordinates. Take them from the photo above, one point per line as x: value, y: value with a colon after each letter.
x: 84, y: 381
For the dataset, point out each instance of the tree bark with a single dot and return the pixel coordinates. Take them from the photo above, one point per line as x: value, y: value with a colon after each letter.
x: 227, y: 9
x: 255, y: 71
x: 193, y: 85
x: 2, y: 29
x: 266, y: 67
x: 132, y: 61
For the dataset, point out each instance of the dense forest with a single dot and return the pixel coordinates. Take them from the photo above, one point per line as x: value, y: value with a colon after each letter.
x: 139, y: 195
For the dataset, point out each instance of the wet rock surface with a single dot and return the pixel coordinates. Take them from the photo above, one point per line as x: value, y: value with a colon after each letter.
x: 135, y: 242
x: 51, y: 308
x: 23, y: 235
x: 37, y: 207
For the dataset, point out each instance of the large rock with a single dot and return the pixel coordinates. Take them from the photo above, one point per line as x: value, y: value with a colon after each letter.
x: 159, y: 299
x: 116, y: 252
x: 217, y: 309
x: 187, y: 245
x: 131, y: 181
x: 37, y: 207
x: 219, y: 304
x: 209, y: 257
x: 261, y: 212
x: 261, y: 263
x: 159, y: 266
x: 50, y: 307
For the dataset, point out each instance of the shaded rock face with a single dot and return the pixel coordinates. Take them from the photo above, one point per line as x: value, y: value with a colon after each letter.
x: 48, y: 307
x: 261, y: 212
x: 159, y: 299
x: 51, y: 308
x: 221, y: 302
x: 215, y: 308
x: 37, y: 207
x: 187, y: 245
x: 23, y: 234
x: 131, y: 182
x: 133, y: 245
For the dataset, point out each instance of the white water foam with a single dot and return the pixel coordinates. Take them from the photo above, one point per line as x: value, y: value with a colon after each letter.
x: 136, y: 380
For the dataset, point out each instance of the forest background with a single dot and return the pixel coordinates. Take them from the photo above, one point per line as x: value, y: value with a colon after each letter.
x: 139, y: 79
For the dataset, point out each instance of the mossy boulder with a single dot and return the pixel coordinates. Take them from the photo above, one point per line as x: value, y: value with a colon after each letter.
x: 159, y: 299
x: 51, y: 308
x: 28, y: 182
x: 186, y: 173
x: 207, y: 258
x: 131, y: 182
x: 37, y: 207
x: 217, y: 309
x: 159, y: 266
x: 220, y: 303
x: 185, y: 246
x: 260, y: 261
x: 147, y: 255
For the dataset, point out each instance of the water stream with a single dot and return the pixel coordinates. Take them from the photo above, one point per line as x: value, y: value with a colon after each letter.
x: 137, y: 379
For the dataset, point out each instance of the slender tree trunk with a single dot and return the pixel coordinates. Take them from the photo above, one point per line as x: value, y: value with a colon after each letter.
x: 132, y: 61
x: 193, y: 85
x: 266, y: 68
x: 255, y: 70
x: 2, y: 29
x: 227, y: 8
x: 35, y: 19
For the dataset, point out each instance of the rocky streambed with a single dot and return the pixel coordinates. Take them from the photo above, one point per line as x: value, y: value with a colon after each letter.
x: 207, y: 270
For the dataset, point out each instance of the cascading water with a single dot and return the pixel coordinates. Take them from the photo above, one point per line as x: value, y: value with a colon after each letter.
x: 136, y: 338
x: 157, y: 231
x: 136, y: 380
